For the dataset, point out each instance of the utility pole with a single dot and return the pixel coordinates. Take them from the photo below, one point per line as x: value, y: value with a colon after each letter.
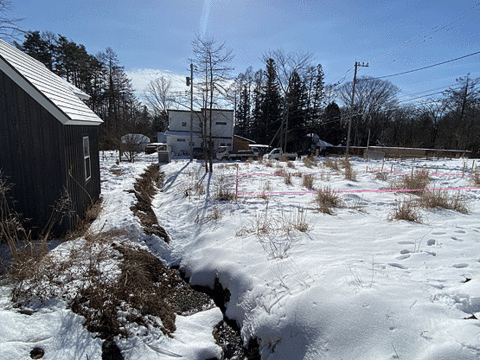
x: 357, y: 64
x: 190, y: 82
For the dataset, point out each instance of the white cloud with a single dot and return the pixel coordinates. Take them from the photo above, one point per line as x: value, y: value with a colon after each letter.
x: 141, y: 77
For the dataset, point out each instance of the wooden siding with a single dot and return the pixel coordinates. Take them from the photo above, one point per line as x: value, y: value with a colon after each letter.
x: 36, y: 152
x: 82, y: 192
x: 240, y: 144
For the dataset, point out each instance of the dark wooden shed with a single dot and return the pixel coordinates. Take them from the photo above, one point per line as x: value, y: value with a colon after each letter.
x: 48, y: 140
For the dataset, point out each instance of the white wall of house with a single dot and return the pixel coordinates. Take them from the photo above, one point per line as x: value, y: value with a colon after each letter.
x: 178, y: 134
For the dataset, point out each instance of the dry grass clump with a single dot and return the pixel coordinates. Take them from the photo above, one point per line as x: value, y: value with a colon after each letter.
x: 476, y: 178
x: 326, y: 199
x: 283, y: 158
x: 417, y: 181
x: 331, y: 164
x: 348, y: 171
x: 279, y: 171
x: 275, y: 230
x: 215, y: 214
x: 268, y: 163
x: 300, y: 221
x: 309, y: 161
x: 290, y: 165
x: 287, y: 178
x: 308, y: 180
x: 223, y: 193
x: 262, y: 196
x: 379, y: 175
x: 27, y: 247
x: 406, y: 210
x: 441, y: 199
x: 116, y: 172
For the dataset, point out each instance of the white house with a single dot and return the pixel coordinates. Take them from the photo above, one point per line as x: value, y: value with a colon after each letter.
x: 178, y: 133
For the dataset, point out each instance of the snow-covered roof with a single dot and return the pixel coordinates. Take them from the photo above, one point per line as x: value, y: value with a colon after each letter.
x: 59, y: 98
x: 135, y: 138
x: 318, y: 142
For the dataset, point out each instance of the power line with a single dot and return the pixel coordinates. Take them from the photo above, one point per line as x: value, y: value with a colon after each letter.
x: 427, y: 67
x: 428, y: 35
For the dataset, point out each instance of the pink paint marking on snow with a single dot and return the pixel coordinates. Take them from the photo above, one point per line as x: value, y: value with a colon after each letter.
x: 360, y: 191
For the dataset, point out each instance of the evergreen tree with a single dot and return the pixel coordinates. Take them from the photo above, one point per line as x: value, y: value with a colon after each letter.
x: 271, y: 108
x: 331, y: 130
x: 296, y: 100
x: 39, y: 46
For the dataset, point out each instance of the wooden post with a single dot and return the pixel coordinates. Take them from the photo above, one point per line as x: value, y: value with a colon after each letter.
x: 236, y: 185
x: 413, y: 167
x: 391, y: 169
x: 473, y: 167
x: 463, y: 171
x: 436, y: 170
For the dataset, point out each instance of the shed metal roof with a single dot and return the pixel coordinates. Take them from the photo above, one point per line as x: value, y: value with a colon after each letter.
x: 47, y: 88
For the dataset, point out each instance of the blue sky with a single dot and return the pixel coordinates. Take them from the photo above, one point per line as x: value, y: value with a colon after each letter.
x: 392, y: 36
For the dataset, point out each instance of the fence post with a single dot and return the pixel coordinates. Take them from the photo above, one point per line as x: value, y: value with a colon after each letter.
x: 463, y: 171
x: 236, y: 185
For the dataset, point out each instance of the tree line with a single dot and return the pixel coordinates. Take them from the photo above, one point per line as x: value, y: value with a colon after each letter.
x: 288, y: 99
x: 277, y: 105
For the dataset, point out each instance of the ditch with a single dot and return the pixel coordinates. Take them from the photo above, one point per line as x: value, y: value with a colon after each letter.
x: 187, y: 299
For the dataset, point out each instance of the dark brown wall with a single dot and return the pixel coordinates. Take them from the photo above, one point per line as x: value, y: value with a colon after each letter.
x: 82, y: 192
x: 36, y: 153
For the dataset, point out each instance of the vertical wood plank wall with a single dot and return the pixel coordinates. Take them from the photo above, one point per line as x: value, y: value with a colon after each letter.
x: 36, y: 154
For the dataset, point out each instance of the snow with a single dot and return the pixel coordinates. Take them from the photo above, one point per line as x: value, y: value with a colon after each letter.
x: 355, y: 286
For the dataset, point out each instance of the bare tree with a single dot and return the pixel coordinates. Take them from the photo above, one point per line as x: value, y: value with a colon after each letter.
x: 212, y: 68
x: 288, y: 64
x: 373, y: 100
x: 158, y: 95
x: 8, y: 26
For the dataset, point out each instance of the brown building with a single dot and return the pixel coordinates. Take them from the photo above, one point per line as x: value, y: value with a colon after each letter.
x: 48, y: 140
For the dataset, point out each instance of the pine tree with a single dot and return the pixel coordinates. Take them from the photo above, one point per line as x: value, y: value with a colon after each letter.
x: 296, y: 100
x: 271, y: 103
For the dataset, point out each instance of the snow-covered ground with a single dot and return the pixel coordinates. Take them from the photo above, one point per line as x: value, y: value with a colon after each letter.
x: 354, y: 286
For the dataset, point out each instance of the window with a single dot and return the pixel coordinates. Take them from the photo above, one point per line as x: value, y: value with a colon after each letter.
x: 86, y: 158
x: 181, y: 140
x: 220, y: 123
x: 184, y: 123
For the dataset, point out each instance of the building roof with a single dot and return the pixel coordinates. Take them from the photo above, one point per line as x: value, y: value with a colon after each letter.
x: 244, y: 138
x: 135, y: 139
x: 49, y: 90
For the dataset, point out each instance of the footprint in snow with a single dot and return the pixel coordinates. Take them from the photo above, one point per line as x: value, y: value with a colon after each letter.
x: 400, y: 266
x: 431, y: 242
x: 439, y: 233
x: 456, y: 239
x: 459, y: 231
x: 460, y: 266
x: 405, y: 242
x: 403, y: 257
